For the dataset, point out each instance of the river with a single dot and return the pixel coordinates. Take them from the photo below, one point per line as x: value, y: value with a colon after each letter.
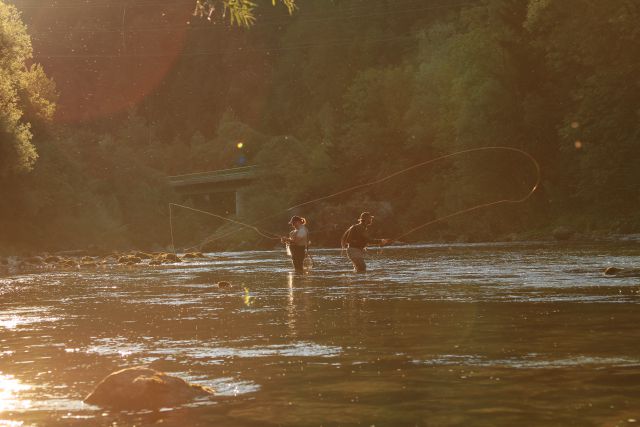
x: 483, y: 334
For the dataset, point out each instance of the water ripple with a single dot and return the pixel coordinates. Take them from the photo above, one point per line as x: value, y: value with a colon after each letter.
x: 532, y: 361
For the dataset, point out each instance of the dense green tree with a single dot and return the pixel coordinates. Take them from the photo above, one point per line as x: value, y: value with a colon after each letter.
x: 592, y: 52
x: 468, y: 96
x: 25, y: 93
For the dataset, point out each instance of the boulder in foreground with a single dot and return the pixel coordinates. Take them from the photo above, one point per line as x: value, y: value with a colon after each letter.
x: 144, y: 388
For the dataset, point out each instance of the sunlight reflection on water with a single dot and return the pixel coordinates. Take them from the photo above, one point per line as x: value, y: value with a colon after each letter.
x: 10, y: 390
x: 19, y: 318
x: 532, y: 361
x: 212, y: 350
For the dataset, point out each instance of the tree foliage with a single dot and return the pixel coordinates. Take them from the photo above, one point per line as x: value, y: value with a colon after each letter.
x: 592, y: 59
x: 243, y: 12
x: 25, y: 93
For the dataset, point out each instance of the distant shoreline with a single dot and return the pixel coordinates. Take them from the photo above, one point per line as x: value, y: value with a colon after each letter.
x: 534, y: 238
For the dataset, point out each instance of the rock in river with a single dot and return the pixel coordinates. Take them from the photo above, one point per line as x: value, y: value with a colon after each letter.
x: 622, y: 272
x: 562, y: 233
x: 141, y: 387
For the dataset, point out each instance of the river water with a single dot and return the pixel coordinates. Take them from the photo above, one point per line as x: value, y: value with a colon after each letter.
x: 495, y: 335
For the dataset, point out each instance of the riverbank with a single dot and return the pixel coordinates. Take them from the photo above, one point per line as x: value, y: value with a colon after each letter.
x: 38, y: 255
x: 86, y: 260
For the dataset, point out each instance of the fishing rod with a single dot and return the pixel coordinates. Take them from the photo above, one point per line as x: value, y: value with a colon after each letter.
x: 378, y: 181
x: 483, y: 205
x: 243, y: 224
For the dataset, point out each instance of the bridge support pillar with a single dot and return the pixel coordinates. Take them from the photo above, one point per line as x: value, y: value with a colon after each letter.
x: 240, y: 202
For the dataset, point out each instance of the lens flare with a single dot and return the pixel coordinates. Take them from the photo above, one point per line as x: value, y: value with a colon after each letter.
x: 102, y: 73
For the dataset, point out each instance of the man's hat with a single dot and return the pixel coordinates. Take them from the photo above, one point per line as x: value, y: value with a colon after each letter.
x: 296, y: 218
x: 365, y: 215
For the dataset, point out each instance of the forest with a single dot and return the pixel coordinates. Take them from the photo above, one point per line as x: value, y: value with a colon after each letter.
x: 105, y: 99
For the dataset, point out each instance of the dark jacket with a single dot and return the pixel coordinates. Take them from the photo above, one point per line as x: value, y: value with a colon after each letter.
x: 357, y: 236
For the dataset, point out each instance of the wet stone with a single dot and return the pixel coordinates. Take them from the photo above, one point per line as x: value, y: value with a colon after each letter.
x: 621, y: 272
x: 129, y: 259
x: 141, y: 387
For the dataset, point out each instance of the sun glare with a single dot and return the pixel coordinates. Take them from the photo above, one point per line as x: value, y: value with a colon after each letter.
x: 10, y: 389
x: 10, y: 323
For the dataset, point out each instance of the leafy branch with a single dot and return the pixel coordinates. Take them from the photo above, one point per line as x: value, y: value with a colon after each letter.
x: 290, y: 4
x: 241, y: 12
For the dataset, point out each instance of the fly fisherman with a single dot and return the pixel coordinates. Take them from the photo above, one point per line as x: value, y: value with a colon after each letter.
x: 297, y: 242
x: 356, y: 239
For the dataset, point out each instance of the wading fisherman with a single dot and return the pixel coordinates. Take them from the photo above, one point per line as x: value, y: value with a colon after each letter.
x: 356, y: 238
x: 297, y: 242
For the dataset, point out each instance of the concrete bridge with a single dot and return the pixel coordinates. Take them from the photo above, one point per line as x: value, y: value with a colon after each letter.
x: 221, y: 190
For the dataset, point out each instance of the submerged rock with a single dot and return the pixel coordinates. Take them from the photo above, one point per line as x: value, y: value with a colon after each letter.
x: 34, y: 260
x: 89, y: 265
x: 168, y: 257
x: 143, y: 255
x: 68, y: 263
x: 141, y: 387
x: 194, y: 255
x: 129, y: 260
x: 562, y: 233
x: 52, y: 259
x: 223, y: 284
x: 621, y: 272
